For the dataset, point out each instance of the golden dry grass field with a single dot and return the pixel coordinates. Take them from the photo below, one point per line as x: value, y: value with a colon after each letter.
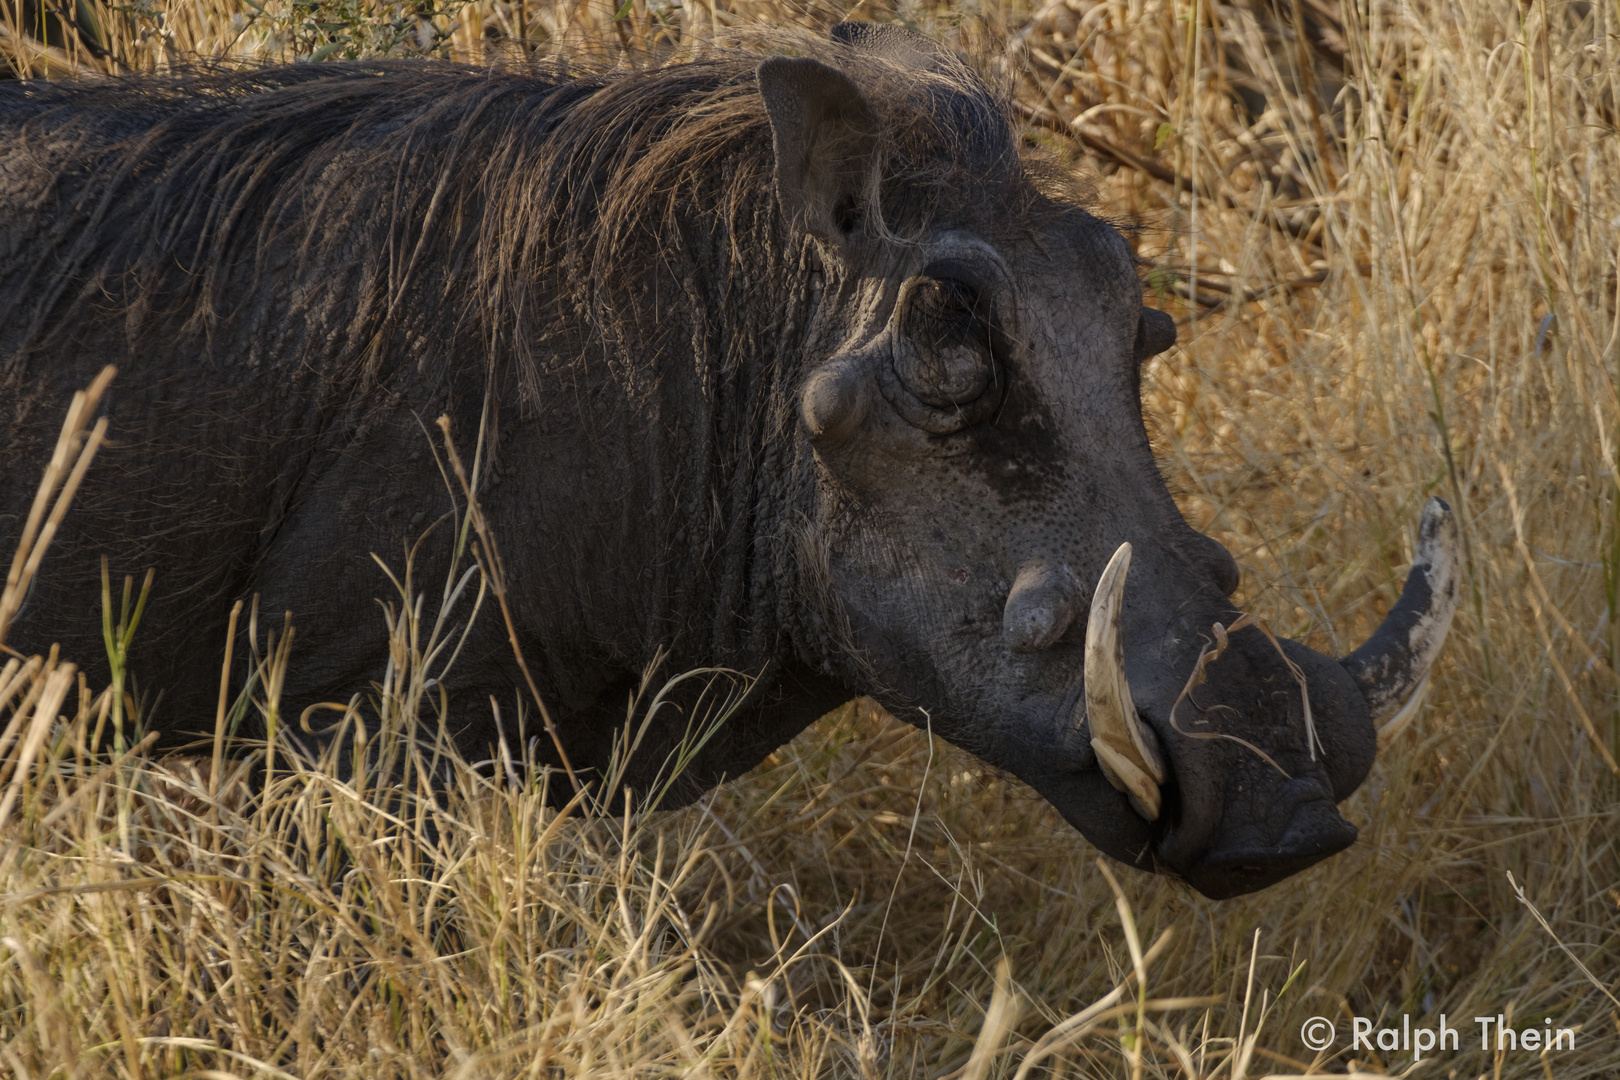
x: 1389, y: 230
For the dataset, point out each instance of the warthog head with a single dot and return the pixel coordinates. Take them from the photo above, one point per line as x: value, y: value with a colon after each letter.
x: 994, y: 539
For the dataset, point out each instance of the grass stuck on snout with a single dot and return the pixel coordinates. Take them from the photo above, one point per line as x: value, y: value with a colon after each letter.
x: 1389, y: 234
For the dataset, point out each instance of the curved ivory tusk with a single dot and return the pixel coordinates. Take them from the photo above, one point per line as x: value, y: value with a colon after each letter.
x: 1393, y: 666
x: 1127, y: 751
x: 1404, y: 716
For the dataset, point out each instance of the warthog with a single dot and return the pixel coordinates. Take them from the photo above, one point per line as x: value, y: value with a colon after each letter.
x: 790, y: 366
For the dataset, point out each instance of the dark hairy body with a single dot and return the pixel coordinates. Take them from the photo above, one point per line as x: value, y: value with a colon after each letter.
x: 789, y: 367
x: 361, y: 231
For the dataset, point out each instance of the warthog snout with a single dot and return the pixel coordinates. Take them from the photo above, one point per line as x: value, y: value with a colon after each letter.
x: 1236, y: 774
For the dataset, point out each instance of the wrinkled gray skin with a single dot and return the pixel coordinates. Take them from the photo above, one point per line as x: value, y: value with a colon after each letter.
x: 936, y: 408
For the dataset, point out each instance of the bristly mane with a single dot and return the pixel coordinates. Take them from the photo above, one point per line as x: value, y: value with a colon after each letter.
x: 542, y: 212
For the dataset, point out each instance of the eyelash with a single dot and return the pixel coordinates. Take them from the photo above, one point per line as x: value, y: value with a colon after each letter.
x: 952, y: 309
x: 954, y: 296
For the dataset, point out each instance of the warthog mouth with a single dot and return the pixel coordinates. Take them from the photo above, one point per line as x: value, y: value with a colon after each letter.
x: 1233, y: 820
x: 1301, y: 826
x: 1316, y: 831
x: 1296, y: 825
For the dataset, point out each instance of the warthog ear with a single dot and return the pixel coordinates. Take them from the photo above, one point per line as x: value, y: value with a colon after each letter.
x: 894, y: 43
x: 826, y: 140
x: 1155, y: 333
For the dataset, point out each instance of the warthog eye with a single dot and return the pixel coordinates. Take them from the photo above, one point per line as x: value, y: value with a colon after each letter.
x: 944, y: 357
x: 952, y: 297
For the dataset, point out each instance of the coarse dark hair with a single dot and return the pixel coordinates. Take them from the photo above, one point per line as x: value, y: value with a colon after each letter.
x: 546, y: 209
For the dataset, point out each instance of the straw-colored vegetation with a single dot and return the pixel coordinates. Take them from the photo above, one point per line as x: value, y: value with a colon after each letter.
x: 1390, y: 230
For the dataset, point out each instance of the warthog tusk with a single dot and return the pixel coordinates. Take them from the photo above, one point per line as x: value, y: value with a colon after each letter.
x: 1392, y: 668
x: 1127, y: 751
x: 1403, y: 718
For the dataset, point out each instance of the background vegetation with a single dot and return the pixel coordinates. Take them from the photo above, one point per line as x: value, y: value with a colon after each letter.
x: 1389, y: 230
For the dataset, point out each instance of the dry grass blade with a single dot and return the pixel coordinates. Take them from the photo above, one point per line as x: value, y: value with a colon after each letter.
x: 1518, y: 891
x: 999, y: 1019
x: 489, y: 560
x: 1540, y: 602
x: 1210, y: 653
x: 224, y: 699
x: 54, y: 689
x: 72, y: 456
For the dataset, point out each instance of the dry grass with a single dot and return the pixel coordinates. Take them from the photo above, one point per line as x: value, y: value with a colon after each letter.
x: 1390, y: 230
